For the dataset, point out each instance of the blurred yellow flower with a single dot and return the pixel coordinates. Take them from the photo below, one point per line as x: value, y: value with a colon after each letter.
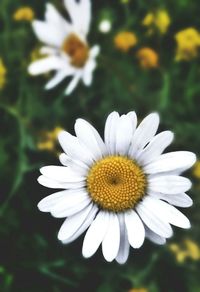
x: 158, y: 20
x: 3, y: 72
x: 148, y: 58
x: 125, y: 40
x: 48, y: 140
x: 188, y: 42
x: 24, y: 13
x: 196, y: 169
x: 188, y: 250
x: 138, y: 290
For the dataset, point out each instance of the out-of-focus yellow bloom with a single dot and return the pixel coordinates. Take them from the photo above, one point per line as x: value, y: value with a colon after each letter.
x: 188, y: 42
x: 196, y: 169
x: 48, y: 140
x: 125, y: 1
x: 148, y: 58
x: 3, y: 72
x: 125, y: 40
x: 24, y: 14
x: 158, y: 20
x: 188, y: 250
x: 138, y: 290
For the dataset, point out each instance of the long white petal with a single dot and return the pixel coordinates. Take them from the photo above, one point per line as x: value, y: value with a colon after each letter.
x: 74, y: 149
x: 73, y: 223
x: 72, y: 85
x: 124, y: 134
x: 45, y: 65
x: 84, y: 225
x: 168, y: 213
x: 169, y: 184
x: 110, y: 132
x: 88, y: 71
x: 50, y: 183
x: 135, y: 229
x: 48, y: 33
x: 52, y: 16
x: 179, y: 200
x: 179, y: 160
x: 157, y: 145
x: 58, y: 78
x: 110, y: 244
x: 47, y: 203
x: 61, y: 174
x: 154, y: 237
x: 95, y: 234
x: 144, y: 133
x: 124, y: 247
x: 152, y: 220
x: 88, y: 135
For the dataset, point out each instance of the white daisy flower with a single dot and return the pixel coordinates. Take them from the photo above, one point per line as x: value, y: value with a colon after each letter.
x: 120, y: 190
x: 68, y: 52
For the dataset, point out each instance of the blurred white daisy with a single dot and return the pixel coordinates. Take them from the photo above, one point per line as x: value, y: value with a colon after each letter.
x: 68, y: 52
x: 105, y: 26
x: 121, y: 189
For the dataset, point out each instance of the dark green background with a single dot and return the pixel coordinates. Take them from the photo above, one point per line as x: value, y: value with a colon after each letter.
x: 31, y: 257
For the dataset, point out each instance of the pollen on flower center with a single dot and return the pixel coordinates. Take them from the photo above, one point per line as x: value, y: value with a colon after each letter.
x: 116, y: 183
x: 77, y: 50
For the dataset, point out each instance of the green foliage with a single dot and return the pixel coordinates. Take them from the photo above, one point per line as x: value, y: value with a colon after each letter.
x: 31, y: 258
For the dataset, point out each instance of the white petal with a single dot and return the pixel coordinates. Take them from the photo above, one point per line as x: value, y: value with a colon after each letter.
x: 80, y: 14
x: 124, y: 134
x: 95, y: 234
x: 47, y: 203
x: 135, y: 229
x: 144, y: 133
x: 179, y: 200
x: 64, y: 159
x: 157, y: 145
x: 71, y: 204
x: 54, y: 17
x: 50, y: 183
x: 89, y: 136
x: 73, y: 223
x: 94, y: 51
x: 169, y: 184
x: 154, y: 237
x: 61, y: 174
x: 88, y: 71
x: 84, y: 225
x: 168, y: 213
x: 49, y: 33
x: 110, y: 132
x: 152, y: 220
x: 72, y: 85
x: 74, y: 149
x: 58, y: 78
x: 48, y: 50
x: 45, y: 65
x: 124, y: 244
x: 180, y: 161
x: 110, y: 244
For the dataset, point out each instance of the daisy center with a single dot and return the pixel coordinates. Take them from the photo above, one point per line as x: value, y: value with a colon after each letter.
x: 76, y: 49
x: 116, y: 183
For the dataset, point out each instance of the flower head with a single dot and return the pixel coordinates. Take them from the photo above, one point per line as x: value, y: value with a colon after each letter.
x: 105, y: 26
x: 148, y: 58
x: 121, y: 189
x: 24, y: 14
x: 196, y: 169
x: 188, y: 43
x: 125, y: 40
x: 3, y: 72
x: 68, y: 52
x: 158, y: 20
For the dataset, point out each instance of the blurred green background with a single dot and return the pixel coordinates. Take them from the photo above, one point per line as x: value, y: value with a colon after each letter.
x: 165, y: 77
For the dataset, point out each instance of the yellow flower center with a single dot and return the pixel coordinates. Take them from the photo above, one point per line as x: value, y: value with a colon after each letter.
x: 116, y: 183
x: 76, y: 49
